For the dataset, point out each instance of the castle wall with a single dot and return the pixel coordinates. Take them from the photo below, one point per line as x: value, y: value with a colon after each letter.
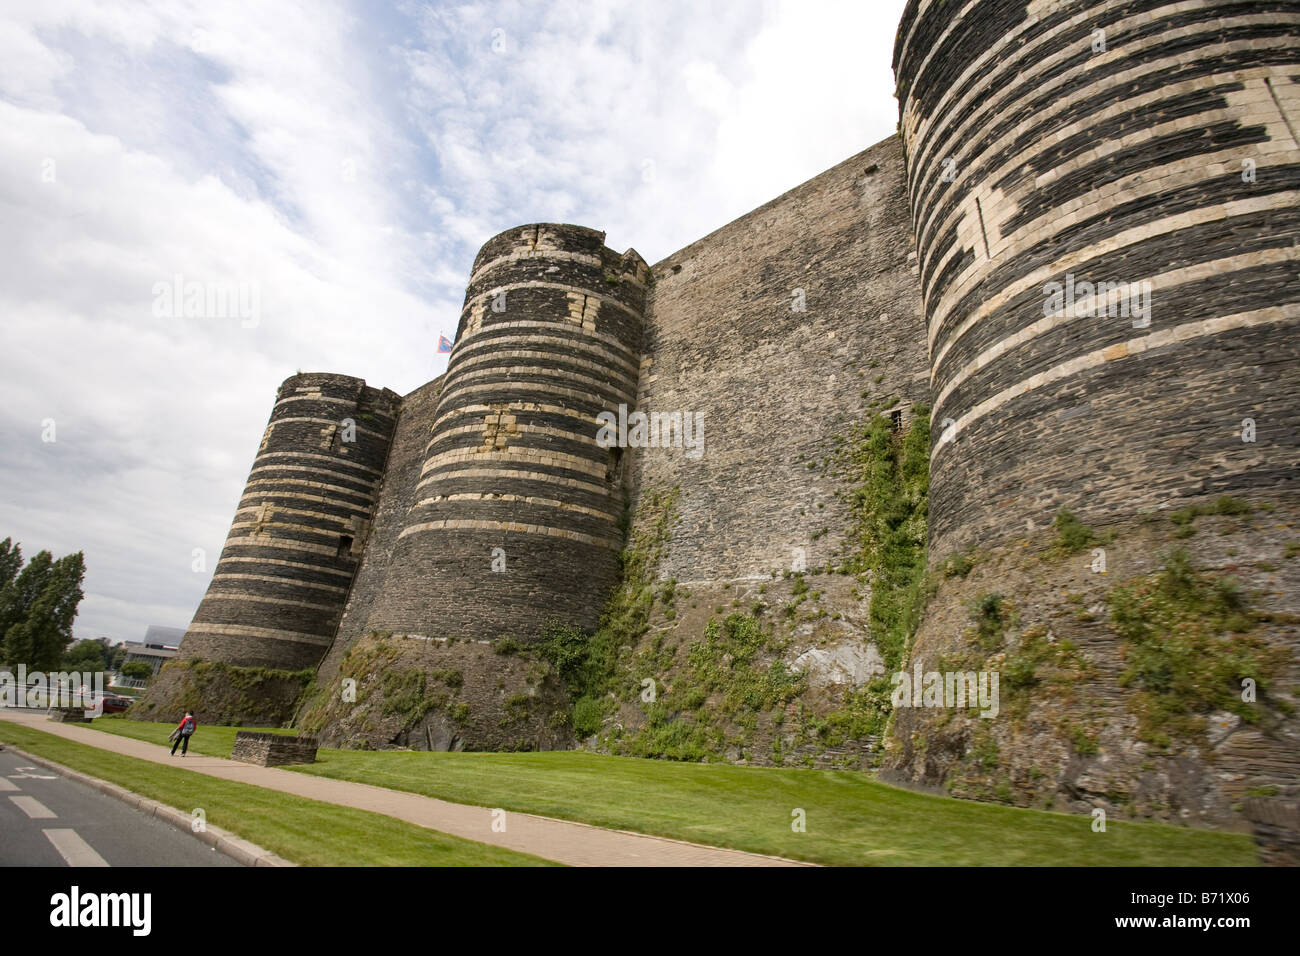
x: 1077, y: 156
x: 775, y: 385
x: 516, y: 512
x: 279, y: 587
x: 396, y: 496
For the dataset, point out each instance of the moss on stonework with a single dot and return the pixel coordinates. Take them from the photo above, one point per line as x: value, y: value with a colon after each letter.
x: 1073, y: 536
x: 1184, y: 519
x: 889, y: 475
x: 590, y: 665
x: 321, y: 703
x: 224, y: 694
x: 698, y: 704
x: 407, y: 695
x: 993, y: 615
x: 1190, y: 650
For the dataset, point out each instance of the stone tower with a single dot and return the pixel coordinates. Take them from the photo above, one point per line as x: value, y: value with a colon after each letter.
x: 283, y: 577
x: 1104, y: 202
x: 1053, y: 147
x: 515, y: 519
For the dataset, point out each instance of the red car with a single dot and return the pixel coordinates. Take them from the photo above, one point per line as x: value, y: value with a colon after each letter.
x: 114, y: 704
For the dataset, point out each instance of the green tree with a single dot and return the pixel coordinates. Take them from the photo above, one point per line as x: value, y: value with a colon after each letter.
x: 87, y: 655
x: 16, y: 601
x: 11, y: 562
x: 41, y: 636
x: 137, y: 669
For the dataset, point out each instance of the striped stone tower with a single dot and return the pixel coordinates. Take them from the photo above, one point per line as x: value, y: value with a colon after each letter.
x: 516, y: 514
x: 1151, y: 146
x: 283, y: 577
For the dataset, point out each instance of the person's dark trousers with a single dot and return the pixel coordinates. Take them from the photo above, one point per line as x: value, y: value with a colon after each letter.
x: 183, y: 741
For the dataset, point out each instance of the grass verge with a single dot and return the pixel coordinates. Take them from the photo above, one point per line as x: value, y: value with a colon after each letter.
x: 306, y: 832
x: 851, y: 818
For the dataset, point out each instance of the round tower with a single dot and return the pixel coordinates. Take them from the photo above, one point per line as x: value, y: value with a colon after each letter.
x: 283, y: 577
x: 516, y: 517
x: 1104, y: 198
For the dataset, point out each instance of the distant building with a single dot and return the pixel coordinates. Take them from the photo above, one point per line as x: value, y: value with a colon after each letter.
x: 160, y: 645
x: 155, y: 635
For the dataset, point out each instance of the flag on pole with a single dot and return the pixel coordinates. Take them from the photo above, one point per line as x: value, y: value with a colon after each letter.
x: 444, y: 344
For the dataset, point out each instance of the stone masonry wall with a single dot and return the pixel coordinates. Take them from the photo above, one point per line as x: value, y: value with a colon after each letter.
x: 279, y: 588
x: 776, y: 385
x: 1148, y: 144
x: 396, y: 496
x: 516, y: 514
x: 272, y: 750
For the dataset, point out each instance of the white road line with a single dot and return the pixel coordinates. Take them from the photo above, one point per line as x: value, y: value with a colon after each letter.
x: 7, y: 786
x: 34, y: 808
x: 74, y: 850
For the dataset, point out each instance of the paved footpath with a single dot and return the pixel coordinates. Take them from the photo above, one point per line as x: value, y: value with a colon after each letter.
x: 577, y: 844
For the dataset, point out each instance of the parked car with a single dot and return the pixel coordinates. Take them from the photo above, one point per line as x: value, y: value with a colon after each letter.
x: 113, y: 703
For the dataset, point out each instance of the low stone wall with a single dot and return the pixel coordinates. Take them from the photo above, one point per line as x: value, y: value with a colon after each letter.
x: 70, y: 715
x: 272, y: 750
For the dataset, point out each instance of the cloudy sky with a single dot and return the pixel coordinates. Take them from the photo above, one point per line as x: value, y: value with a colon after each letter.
x: 339, y: 164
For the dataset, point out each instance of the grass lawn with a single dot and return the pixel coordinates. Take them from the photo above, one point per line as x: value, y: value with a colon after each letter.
x: 210, y: 740
x: 851, y: 818
x: 306, y: 832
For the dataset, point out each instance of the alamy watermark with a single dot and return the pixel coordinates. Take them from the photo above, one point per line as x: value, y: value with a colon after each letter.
x: 182, y: 299
x: 952, y: 689
x: 653, y: 430
x: 127, y: 910
x: 58, y: 689
x: 1085, y: 299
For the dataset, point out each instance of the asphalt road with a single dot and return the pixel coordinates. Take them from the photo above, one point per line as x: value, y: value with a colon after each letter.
x: 49, y: 820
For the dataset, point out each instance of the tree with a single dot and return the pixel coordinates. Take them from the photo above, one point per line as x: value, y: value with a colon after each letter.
x: 137, y: 669
x: 16, y: 601
x: 87, y: 656
x: 11, y: 562
x: 40, y: 637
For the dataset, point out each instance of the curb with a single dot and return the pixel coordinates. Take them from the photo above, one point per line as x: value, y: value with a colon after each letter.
x: 223, y: 841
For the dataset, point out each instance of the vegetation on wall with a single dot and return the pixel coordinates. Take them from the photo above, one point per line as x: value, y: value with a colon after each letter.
x: 1189, y: 648
x: 1073, y: 536
x: 1185, y: 518
x: 220, y: 693
x: 889, y: 475
x: 590, y: 665
x: 887, y: 472
x: 731, y: 688
x: 731, y: 677
x: 701, y: 697
x: 370, y: 656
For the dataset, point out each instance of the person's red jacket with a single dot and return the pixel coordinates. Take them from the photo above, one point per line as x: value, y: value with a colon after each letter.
x: 180, y: 728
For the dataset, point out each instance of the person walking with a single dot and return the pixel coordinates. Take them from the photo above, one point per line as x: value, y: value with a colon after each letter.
x: 182, y: 734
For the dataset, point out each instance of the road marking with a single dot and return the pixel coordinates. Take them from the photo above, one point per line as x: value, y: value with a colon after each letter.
x: 34, y: 808
x: 74, y: 850
x: 34, y: 776
x: 7, y: 786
